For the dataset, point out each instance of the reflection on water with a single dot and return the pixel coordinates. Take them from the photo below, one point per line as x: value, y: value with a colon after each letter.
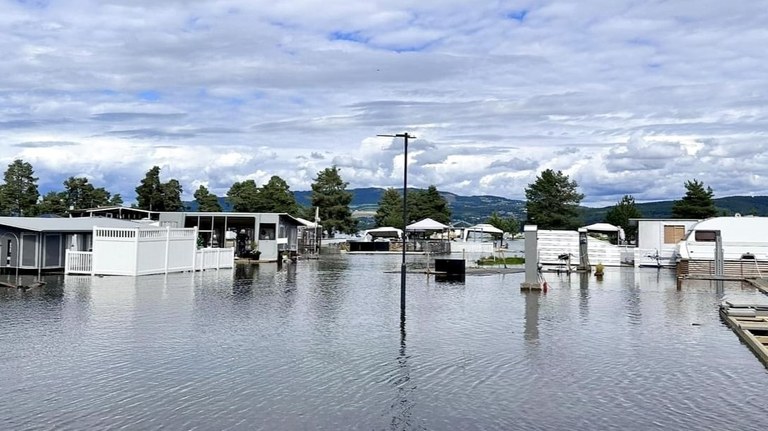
x: 322, y: 345
x: 531, y: 315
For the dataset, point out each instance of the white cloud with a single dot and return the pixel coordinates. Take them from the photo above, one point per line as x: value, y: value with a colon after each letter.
x: 626, y: 97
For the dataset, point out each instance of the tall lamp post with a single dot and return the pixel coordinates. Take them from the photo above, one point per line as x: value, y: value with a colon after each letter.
x: 405, y: 137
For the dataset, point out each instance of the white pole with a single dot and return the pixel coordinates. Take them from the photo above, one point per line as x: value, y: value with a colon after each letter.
x: 167, y: 246
x: 136, y: 252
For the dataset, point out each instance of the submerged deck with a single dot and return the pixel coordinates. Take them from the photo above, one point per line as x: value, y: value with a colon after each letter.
x: 750, y: 322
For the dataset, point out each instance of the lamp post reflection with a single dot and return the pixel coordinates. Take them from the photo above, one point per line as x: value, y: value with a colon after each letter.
x: 402, y: 406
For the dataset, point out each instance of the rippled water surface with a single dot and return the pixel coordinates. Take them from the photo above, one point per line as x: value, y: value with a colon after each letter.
x: 319, y: 345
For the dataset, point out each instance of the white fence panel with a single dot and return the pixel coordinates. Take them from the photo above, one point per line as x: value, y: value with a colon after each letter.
x: 78, y: 262
x: 114, y: 251
x: 553, y: 243
x: 215, y: 258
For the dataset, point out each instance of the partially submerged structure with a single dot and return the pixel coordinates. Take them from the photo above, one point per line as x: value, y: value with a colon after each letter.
x: 40, y: 244
x: 734, y: 246
x: 657, y: 240
x: 274, y: 235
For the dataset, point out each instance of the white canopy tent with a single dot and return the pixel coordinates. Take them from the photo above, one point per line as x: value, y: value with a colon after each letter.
x: 607, y: 227
x: 478, y: 231
x: 602, y: 227
x: 384, y: 232
x: 426, y: 225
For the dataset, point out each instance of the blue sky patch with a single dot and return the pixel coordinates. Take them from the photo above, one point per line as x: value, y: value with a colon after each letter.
x: 39, y: 4
x: 149, y: 96
x: 351, y: 36
x: 518, y: 15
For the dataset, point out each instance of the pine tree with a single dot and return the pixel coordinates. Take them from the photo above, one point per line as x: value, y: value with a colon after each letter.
x: 508, y: 225
x: 329, y: 193
x: 244, y: 196
x: 276, y: 197
x: 18, y: 195
x: 390, y: 211
x: 79, y: 194
x: 206, y: 201
x: 53, y: 203
x: 620, y: 214
x: 428, y: 204
x: 697, y: 203
x: 149, y: 194
x: 153, y: 195
x: 553, y: 202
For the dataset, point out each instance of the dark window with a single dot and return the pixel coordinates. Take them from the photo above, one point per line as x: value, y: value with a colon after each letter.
x: 705, y: 236
x: 267, y: 231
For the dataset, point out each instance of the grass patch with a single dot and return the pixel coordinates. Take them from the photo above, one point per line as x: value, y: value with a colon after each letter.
x: 512, y: 260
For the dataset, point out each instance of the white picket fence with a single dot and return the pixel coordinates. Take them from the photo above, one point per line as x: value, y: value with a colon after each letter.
x: 146, y: 250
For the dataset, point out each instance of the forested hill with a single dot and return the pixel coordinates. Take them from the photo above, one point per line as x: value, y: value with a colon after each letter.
x: 744, y: 205
x: 476, y: 209
x: 471, y: 209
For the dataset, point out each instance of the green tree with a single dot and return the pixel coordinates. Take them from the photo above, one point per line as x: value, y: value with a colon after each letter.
x: 428, y: 204
x: 698, y: 203
x: 276, y: 197
x: 553, y: 201
x: 390, y: 211
x: 620, y: 214
x: 149, y: 194
x: 153, y: 195
x: 116, y: 200
x: 206, y: 201
x: 19, y: 194
x: 79, y: 194
x: 329, y: 193
x: 53, y: 203
x: 244, y: 196
x: 508, y: 225
x: 172, y: 191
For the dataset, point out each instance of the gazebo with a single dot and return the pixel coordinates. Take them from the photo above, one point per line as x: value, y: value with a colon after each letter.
x: 429, y: 225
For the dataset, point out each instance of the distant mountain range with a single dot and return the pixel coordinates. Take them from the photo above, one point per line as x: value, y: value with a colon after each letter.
x: 471, y: 209
x: 476, y: 209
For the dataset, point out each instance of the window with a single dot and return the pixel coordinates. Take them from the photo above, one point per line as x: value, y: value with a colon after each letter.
x: 705, y: 235
x: 267, y: 231
x: 673, y: 234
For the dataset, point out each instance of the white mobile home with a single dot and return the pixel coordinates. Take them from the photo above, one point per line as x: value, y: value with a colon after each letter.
x: 275, y: 235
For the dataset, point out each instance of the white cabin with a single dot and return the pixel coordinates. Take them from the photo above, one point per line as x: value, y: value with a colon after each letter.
x: 657, y: 240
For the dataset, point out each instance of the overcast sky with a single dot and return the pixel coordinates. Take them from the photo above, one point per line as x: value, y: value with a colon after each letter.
x: 625, y: 97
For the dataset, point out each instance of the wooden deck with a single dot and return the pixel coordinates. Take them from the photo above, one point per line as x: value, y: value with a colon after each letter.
x: 750, y: 322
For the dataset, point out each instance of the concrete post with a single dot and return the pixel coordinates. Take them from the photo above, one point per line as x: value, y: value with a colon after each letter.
x: 531, y: 259
x: 583, y: 251
x: 719, y: 257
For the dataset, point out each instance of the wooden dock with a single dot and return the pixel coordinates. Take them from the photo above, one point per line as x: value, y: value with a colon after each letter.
x: 760, y: 284
x: 750, y: 322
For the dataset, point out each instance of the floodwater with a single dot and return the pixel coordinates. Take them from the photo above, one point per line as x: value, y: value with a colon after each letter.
x: 319, y: 345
